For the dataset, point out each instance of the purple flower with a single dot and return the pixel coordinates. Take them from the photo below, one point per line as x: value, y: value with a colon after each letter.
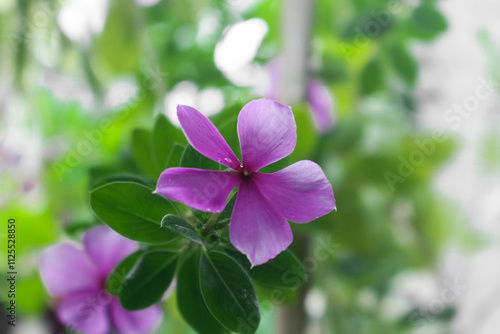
x: 78, y: 277
x: 267, y: 133
x: 319, y: 98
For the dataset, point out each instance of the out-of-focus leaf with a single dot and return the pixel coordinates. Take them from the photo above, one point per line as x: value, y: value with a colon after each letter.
x: 404, y: 63
x: 426, y: 23
x: 143, y: 153
x: 372, y: 77
x: 193, y: 159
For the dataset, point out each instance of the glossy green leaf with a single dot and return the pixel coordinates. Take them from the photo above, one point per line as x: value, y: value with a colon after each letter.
x: 190, y: 300
x: 114, y: 283
x: 404, y: 63
x: 285, y: 271
x: 193, y: 159
x: 229, y: 293
x: 133, y: 211
x: 180, y: 227
x: 149, y: 280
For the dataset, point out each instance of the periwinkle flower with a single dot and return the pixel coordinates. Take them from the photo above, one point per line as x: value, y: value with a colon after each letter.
x: 77, y: 278
x: 264, y: 202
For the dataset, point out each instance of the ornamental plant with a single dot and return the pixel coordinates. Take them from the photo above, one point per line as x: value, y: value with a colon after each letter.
x: 215, y: 222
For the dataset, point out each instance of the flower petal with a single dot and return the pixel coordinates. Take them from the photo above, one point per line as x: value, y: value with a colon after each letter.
x: 267, y: 133
x: 85, y: 312
x: 204, y: 190
x: 204, y: 137
x: 321, y: 104
x: 64, y: 270
x: 134, y: 322
x: 107, y: 248
x: 256, y: 228
x: 300, y: 192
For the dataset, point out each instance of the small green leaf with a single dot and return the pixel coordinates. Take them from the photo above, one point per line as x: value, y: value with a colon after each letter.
x: 193, y: 159
x: 404, y: 63
x: 114, y: 283
x: 133, y: 211
x: 372, y: 77
x: 148, y: 282
x: 180, y: 227
x: 190, y: 300
x: 229, y: 293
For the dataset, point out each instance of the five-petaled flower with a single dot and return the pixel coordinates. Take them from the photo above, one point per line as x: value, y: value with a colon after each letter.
x: 264, y: 202
x: 78, y: 277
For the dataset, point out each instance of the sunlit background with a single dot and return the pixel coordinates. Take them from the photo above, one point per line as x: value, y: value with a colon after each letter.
x: 413, y: 156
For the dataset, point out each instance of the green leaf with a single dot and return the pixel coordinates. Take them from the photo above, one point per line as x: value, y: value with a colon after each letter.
x: 229, y: 293
x: 225, y: 215
x: 426, y: 23
x: 285, y: 271
x: 143, y: 153
x: 114, y: 283
x: 149, y: 281
x: 174, y: 159
x: 165, y: 137
x: 193, y: 159
x: 372, y: 77
x: 180, y: 227
x: 133, y: 211
x: 190, y: 300
x: 404, y: 63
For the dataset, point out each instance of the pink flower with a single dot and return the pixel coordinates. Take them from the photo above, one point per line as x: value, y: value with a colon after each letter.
x: 267, y: 133
x: 78, y: 277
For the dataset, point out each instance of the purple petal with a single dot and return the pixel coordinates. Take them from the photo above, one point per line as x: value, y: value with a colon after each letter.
x: 256, y: 228
x: 64, y: 270
x: 204, y: 190
x: 300, y: 192
x: 204, y: 137
x: 107, y: 248
x: 85, y: 312
x: 321, y: 104
x: 267, y: 133
x: 134, y: 322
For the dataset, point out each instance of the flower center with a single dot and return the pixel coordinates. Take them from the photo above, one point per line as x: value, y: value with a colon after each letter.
x: 246, y: 173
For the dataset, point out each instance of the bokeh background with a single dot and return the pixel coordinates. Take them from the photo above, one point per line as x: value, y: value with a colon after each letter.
x: 414, y: 156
